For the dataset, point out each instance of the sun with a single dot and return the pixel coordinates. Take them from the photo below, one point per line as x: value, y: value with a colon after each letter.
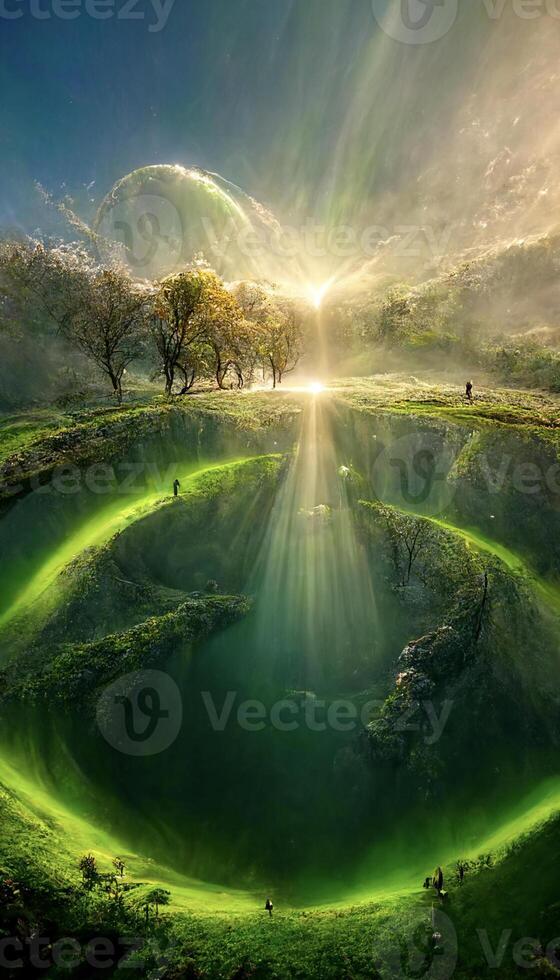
x: 315, y: 388
x: 317, y: 293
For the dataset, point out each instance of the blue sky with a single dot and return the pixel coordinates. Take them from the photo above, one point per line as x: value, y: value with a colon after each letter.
x: 306, y: 104
x: 219, y: 86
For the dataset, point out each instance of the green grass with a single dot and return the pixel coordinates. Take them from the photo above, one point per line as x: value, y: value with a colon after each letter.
x: 18, y: 432
x: 29, y: 437
x: 548, y: 590
x: 492, y: 406
x: 220, y: 932
x: 97, y: 531
x: 39, y: 830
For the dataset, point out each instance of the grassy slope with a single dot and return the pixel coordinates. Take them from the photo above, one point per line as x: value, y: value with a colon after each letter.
x: 494, y: 406
x: 42, y: 839
x: 33, y: 443
x: 101, y: 528
x: 223, y: 931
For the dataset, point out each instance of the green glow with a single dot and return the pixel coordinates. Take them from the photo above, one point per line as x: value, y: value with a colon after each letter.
x: 549, y: 591
x: 316, y: 598
x: 96, y: 532
x: 76, y: 836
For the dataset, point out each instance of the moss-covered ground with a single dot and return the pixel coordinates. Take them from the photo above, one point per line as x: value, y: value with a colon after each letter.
x: 413, y: 397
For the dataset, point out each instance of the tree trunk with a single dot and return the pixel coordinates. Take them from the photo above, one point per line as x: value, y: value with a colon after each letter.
x: 189, y: 378
x: 221, y: 372
x: 117, y: 386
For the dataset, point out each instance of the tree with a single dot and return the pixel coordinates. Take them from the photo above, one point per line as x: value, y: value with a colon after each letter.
x: 277, y: 331
x: 107, y: 326
x: 196, y: 362
x: 44, y: 283
x: 100, y: 311
x: 155, y: 899
x: 438, y: 880
x: 227, y: 333
x: 283, y: 338
x: 394, y: 316
x: 408, y: 536
x: 175, y: 330
x: 119, y: 866
x: 90, y: 874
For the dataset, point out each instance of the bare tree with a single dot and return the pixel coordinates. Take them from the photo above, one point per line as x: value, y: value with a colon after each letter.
x: 100, y: 311
x: 408, y: 536
x: 107, y: 325
x: 44, y: 283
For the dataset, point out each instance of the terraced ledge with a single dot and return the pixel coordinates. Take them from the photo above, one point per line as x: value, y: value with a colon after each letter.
x: 73, y: 672
x: 492, y: 406
x: 33, y: 446
x: 99, y: 530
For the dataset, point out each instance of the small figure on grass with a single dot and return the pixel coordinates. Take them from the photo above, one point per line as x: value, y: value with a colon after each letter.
x: 438, y: 883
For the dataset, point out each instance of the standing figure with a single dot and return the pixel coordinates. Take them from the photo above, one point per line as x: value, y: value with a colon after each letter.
x: 269, y: 907
x: 470, y: 392
x: 176, y: 486
x: 438, y: 881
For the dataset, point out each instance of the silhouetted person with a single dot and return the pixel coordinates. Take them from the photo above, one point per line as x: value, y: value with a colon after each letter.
x: 461, y: 873
x: 469, y: 391
x: 269, y: 907
x: 438, y: 880
x: 176, y: 486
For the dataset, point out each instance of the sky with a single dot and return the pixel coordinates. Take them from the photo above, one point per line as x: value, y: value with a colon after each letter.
x: 320, y: 109
x: 222, y: 82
